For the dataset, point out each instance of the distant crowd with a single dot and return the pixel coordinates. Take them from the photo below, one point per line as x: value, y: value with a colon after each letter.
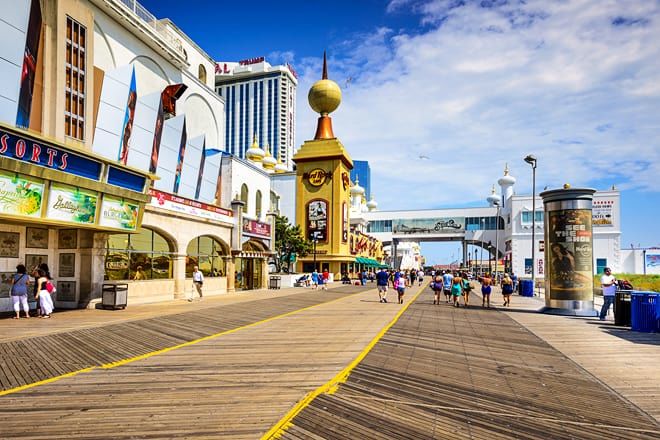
x: 455, y: 285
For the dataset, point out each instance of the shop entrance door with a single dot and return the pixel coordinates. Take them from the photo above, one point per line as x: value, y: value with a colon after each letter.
x: 248, y: 275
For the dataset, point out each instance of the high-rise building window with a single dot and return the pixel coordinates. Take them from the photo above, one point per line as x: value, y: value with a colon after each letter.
x: 76, y: 68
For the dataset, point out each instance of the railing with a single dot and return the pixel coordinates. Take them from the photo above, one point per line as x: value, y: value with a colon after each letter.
x: 143, y: 14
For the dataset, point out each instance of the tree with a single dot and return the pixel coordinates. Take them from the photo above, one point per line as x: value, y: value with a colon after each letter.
x: 289, y: 241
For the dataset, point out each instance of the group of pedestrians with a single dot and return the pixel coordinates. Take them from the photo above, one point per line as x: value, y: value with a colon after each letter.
x: 456, y: 284
x: 40, y: 281
x: 399, y: 280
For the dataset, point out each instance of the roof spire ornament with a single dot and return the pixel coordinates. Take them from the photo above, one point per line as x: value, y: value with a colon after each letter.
x: 254, y: 153
x: 506, y: 168
x: 324, y: 97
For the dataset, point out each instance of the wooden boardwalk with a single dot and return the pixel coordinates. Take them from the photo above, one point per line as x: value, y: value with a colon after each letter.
x: 28, y: 360
x: 449, y: 373
x: 233, y: 386
x: 438, y: 372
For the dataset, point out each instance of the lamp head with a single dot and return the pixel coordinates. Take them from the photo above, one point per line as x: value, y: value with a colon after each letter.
x: 530, y: 159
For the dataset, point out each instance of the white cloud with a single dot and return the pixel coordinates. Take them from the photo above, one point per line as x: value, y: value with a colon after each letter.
x: 574, y: 82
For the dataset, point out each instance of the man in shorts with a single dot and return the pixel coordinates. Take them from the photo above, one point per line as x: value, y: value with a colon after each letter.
x: 446, y: 285
x: 382, y: 278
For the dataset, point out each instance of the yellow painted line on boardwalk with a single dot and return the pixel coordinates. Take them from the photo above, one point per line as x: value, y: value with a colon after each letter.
x: 45, y: 381
x: 164, y: 350
x: 331, y: 386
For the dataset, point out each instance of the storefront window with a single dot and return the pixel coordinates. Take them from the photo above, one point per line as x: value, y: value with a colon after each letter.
x: 205, y: 253
x: 147, y: 255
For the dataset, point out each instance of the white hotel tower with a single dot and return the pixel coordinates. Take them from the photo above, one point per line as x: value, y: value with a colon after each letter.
x: 260, y: 100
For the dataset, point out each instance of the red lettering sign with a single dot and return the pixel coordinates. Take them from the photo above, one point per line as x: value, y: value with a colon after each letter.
x: 51, y: 155
x: 20, y: 148
x: 36, y: 152
x: 3, y: 143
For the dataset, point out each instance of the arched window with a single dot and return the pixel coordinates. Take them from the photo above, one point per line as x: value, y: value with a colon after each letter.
x: 206, y: 253
x: 258, y: 204
x: 244, y: 197
x: 274, y: 202
x: 201, y: 73
x: 147, y: 255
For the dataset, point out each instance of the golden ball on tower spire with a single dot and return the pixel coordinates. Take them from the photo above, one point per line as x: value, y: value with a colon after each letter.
x: 324, y: 97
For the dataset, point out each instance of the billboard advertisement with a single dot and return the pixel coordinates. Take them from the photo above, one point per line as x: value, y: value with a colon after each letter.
x: 569, y: 253
x: 652, y: 262
x: 602, y: 212
x: 119, y: 214
x: 428, y: 225
x: 317, y: 220
x: 72, y: 205
x: 20, y: 196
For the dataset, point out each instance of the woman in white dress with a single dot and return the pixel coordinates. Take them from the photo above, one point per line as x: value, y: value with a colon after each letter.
x: 43, y: 295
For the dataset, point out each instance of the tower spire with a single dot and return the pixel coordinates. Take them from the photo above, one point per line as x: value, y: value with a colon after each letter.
x: 325, y: 67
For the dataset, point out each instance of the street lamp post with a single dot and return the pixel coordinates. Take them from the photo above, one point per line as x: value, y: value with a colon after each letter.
x: 530, y: 159
x: 497, y: 237
x: 481, y: 258
x: 315, y: 240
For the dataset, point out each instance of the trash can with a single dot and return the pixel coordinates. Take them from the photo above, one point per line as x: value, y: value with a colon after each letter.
x: 645, y: 312
x: 114, y: 296
x: 622, y: 308
x: 275, y: 282
x: 526, y: 288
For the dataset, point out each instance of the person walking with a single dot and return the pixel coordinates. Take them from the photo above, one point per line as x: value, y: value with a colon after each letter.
x: 507, y: 289
x: 401, y: 288
x: 315, y: 279
x: 437, y: 288
x: 43, y: 294
x: 322, y: 282
x: 382, y: 278
x: 447, y: 279
x: 456, y: 289
x: 608, y: 283
x: 413, y: 276
x: 19, y: 291
x: 198, y: 282
x: 420, y: 276
x: 467, y: 288
x: 486, y: 289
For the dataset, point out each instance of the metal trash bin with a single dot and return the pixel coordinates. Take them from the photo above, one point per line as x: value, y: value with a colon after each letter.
x: 114, y: 296
x: 622, y: 308
x: 526, y: 288
x: 275, y: 282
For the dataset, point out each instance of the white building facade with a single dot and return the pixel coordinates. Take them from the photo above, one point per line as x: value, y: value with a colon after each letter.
x: 260, y: 100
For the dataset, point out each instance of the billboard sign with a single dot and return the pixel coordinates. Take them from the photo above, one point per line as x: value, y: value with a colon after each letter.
x: 569, y: 253
x: 439, y: 225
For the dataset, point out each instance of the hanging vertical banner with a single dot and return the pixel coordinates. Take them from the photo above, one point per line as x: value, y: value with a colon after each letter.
x: 158, y: 134
x: 128, y: 121
x: 29, y: 71
x: 344, y: 233
x: 179, y: 164
x: 570, y: 254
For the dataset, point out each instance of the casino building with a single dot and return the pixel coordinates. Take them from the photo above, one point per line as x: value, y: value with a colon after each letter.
x: 260, y: 100
x: 112, y: 167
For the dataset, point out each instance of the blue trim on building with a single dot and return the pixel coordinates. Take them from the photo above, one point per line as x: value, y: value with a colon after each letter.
x: 276, y: 147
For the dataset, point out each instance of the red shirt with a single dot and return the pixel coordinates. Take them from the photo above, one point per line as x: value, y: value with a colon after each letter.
x: 325, y: 274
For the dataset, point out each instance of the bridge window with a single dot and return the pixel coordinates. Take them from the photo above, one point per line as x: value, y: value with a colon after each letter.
x: 380, y: 226
x: 482, y: 223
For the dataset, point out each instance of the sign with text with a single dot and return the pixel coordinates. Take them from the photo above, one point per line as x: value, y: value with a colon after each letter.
x: 317, y: 220
x: 428, y: 225
x: 602, y: 212
x: 36, y: 152
x: 185, y: 206
x: 72, y: 205
x: 119, y: 214
x: 569, y: 254
x: 20, y: 196
x: 253, y: 227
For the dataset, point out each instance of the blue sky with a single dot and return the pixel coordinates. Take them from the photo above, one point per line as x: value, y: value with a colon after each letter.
x: 472, y: 85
